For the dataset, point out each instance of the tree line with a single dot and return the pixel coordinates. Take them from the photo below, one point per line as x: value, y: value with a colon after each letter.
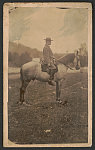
x: 16, y: 60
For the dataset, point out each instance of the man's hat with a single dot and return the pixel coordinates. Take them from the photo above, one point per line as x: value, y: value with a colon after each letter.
x: 48, y: 39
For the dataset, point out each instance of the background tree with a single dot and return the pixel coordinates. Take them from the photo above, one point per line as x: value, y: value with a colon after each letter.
x: 83, y: 49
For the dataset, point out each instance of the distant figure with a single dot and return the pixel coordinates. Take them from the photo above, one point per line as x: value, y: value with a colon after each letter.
x: 49, y: 60
x: 77, y: 59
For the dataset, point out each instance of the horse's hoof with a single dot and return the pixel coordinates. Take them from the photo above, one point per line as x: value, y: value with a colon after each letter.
x: 19, y: 102
x: 26, y: 104
x: 59, y: 101
x: 65, y: 102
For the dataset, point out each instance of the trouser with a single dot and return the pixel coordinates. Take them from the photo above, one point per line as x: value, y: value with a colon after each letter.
x: 52, y: 72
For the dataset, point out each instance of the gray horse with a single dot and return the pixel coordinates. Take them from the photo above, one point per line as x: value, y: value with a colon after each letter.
x: 32, y: 71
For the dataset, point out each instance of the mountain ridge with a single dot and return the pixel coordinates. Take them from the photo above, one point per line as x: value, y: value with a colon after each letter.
x: 20, y: 48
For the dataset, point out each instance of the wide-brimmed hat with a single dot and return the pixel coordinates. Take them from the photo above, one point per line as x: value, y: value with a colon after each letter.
x: 48, y: 39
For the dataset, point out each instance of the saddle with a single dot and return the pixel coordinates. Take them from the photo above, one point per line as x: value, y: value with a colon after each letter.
x: 50, y: 69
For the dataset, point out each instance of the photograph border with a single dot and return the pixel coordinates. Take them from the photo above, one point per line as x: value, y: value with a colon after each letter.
x: 6, y: 142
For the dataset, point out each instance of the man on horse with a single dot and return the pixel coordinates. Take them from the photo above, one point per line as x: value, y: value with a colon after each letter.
x: 49, y: 60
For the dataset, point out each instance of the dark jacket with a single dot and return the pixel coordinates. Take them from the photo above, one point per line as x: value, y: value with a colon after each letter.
x: 47, y: 54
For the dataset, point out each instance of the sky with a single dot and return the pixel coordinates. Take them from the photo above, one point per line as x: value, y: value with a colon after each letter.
x: 67, y: 27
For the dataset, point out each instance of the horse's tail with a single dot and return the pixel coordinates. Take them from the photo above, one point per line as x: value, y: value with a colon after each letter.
x: 21, y: 74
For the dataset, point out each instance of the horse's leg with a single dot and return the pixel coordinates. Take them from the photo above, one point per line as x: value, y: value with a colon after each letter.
x: 22, y: 90
x: 58, y: 91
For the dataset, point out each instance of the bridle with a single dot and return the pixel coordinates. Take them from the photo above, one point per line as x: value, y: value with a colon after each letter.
x: 68, y: 66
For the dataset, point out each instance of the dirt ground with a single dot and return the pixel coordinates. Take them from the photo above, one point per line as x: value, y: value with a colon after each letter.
x: 43, y: 120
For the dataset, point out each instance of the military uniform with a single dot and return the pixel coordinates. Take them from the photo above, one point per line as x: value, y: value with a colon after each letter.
x: 48, y: 56
x: 49, y: 60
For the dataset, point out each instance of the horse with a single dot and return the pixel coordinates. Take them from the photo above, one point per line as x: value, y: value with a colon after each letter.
x: 32, y: 71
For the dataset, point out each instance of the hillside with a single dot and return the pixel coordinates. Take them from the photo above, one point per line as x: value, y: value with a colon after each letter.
x: 20, y: 54
x: 19, y: 49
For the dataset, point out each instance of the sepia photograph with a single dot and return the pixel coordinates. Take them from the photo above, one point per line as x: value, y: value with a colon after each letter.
x: 47, y: 69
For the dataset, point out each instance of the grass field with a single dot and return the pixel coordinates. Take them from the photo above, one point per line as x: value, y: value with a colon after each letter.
x: 43, y: 120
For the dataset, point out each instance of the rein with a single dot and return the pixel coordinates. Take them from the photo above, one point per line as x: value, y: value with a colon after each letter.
x: 65, y: 65
x: 69, y: 67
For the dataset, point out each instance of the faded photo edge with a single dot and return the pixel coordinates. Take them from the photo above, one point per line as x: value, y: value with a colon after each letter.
x: 8, y: 143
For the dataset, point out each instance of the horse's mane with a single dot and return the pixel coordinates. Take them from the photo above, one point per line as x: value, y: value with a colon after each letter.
x: 67, y: 59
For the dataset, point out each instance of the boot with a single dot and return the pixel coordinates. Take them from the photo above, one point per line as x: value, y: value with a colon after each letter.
x: 52, y: 74
x: 50, y: 81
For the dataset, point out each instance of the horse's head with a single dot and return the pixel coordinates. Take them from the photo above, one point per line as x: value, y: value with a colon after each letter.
x: 70, y: 59
x: 77, y: 61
